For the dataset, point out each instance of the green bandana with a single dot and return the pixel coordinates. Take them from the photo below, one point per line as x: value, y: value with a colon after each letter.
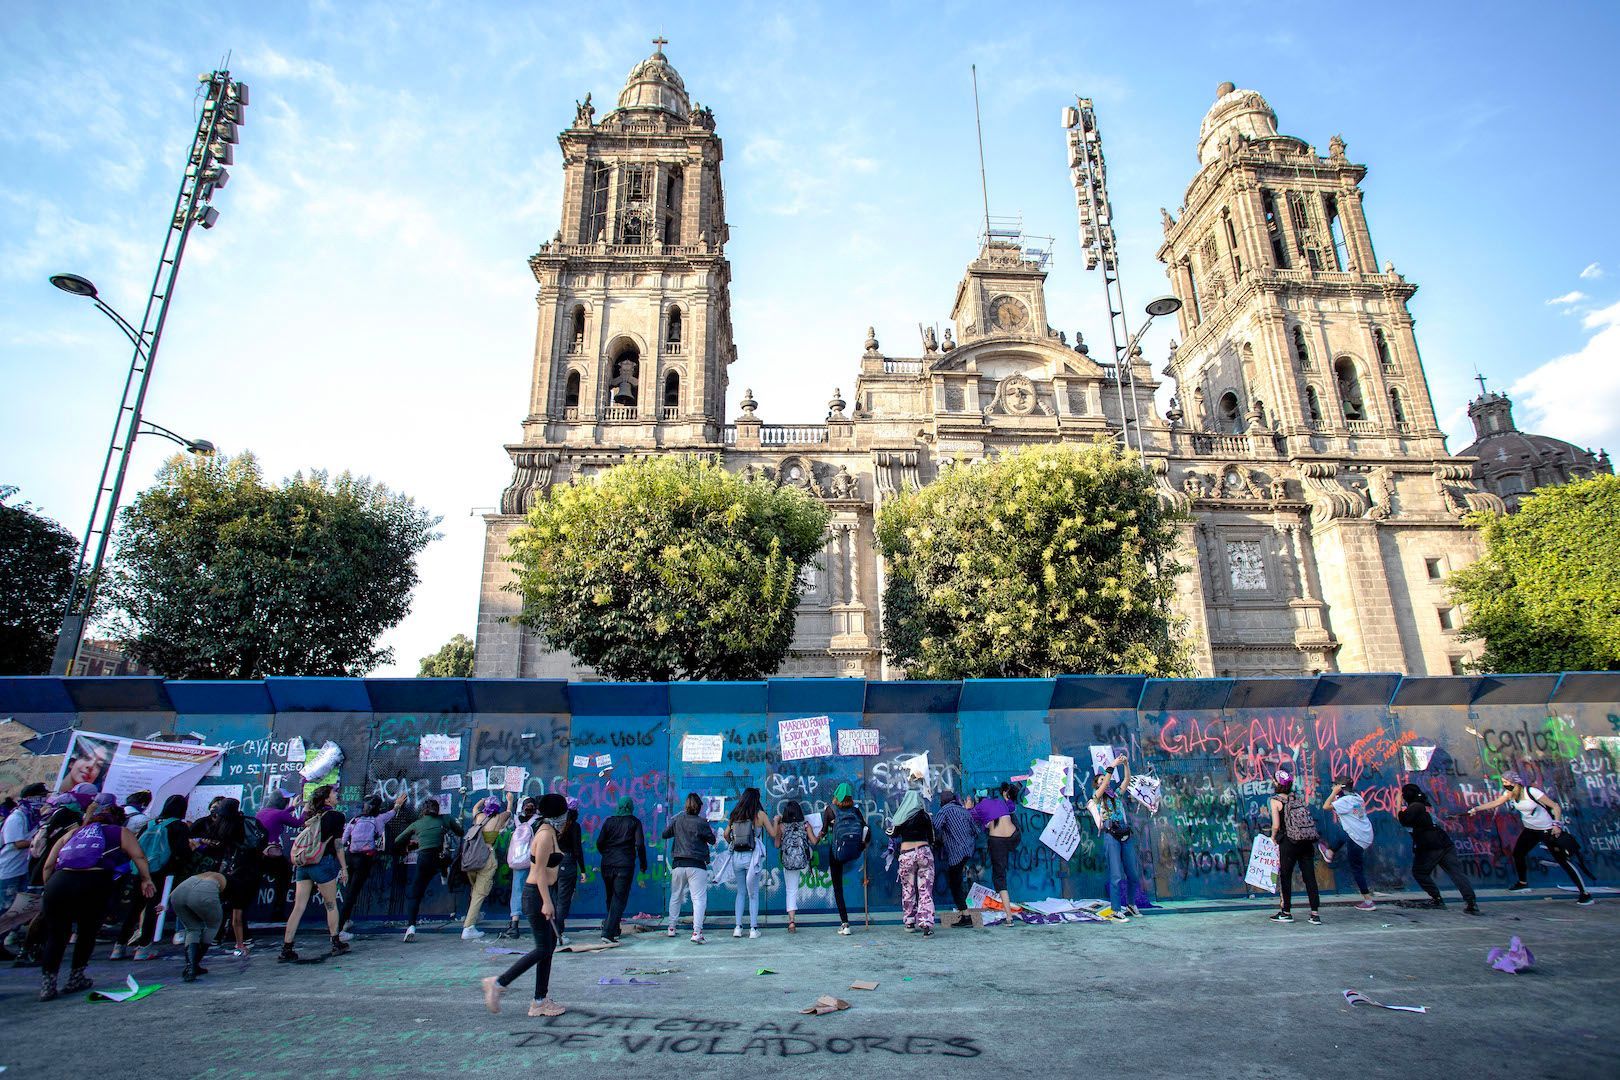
x: 626, y: 807
x: 844, y: 792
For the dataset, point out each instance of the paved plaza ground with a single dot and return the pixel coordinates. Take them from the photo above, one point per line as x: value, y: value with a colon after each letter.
x: 1196, y: 990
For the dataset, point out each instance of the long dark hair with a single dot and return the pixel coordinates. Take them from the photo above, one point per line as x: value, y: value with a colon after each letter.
x: 748, y: 807
x: 792, y: 811
x: 694, y: 803
x: 372, y: 806
x: 174, y: 807
x: 316, y: 803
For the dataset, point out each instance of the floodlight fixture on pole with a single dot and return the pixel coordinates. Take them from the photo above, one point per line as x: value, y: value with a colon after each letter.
x: 200, y: 447
x: 222, y: 112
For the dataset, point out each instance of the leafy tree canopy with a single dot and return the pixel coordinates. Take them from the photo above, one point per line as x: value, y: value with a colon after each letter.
x: 36, y: 571
x: 454, y: 660
x: 1546, y: 595
x: 1048, y: 561
x: 663, y: 568
x: 221, y: 576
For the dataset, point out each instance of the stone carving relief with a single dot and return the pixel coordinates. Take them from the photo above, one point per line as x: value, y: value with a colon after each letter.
x: 1168, y: 494
x: 1015, y: 396
x: 896, y: 471
x: 1237, y: 482
x: 531, y: 480
x: 1329, y: 498
x: 844, y: 485
x: 1461, y: 497
x: 1381, y: 493
x: 1247, y: 564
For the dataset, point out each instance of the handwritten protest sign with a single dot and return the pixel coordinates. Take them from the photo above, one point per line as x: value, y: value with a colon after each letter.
x: 705, y: 749
x: 1264, y: 862
x: 516, y: 777
x: 604, y: 761
x: 807, y: 737
x: 1044, y: 791
x: 439, y: 748
x: 1145, y: 790
x: 858, y: 742
x: 295, y: 750
x: 450, y: 783
x: 977, y: 895
x: 1062, y: 832
x: 582, y: 761
x: 480, y: 779
x: 1066, y: 765
x: 1102, y: 758
x: 198, y: 799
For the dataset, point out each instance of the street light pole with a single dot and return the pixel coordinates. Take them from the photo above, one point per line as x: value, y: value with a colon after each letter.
x: 223, y: 108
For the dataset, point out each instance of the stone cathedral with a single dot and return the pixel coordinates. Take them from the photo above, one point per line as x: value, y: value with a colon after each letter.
x: 1327, y: 512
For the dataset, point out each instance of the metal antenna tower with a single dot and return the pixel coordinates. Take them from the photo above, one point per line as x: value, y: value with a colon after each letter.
x: 978, y: 126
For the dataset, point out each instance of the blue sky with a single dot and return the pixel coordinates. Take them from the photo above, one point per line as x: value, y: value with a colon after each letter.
x: 364, y: 302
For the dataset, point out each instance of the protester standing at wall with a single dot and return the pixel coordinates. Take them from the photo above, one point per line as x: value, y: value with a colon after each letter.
x: 796, y: 841
x: 689, y: 864
x: 276, y: 819
x: 479, y: 860
x: 78, y: 876
x: 958, y: 835
x: 232, y: 845
x: 426, y: 836
x: 1543, y: 825
x: 1432, y: 849
x: 1295, y: 833
x: 167, y: 843
x: 745, y: 832
x: 1118, y: 838
x: 320, y: 864
x: 545, y: 861
x: 847, y: 827
x: 913, y: 830
x: 198, y: 911
x: 363, y: 839
x: 994, y: 814
x: 571, y: 874
x: 1355, y: 837
x: 135, y: 816
x: 622, y: 844
x: 517, y: 860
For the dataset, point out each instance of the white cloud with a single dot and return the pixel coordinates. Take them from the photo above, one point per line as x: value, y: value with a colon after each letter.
x: 1577, y: 396
x: 1593, y: 270
x: 1574, y: 296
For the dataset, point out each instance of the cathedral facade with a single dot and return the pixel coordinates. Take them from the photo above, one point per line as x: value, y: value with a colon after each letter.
x: 1302, y: 438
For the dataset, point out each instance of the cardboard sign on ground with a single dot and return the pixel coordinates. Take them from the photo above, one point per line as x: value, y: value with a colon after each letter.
x: 826, y: 1003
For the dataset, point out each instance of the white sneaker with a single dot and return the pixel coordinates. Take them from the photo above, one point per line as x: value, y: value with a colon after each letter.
x: 410, y: 933
x: 844, y: 929
x: 753, y: 933
x: 737, y: 932
x: 562, y: 939
x: 471, y: 933
x: 345, y: 936
x: 179, y: 939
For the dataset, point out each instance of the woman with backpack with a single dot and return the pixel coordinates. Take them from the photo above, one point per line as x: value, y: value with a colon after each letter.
x: 167, y: 844
x: 1433, y: 849
x: 425, y: 835
x: 544, y: 862
x: 622, y: 844
x: 958, y: 835
x: 1108, y: 811
x: 517, y: 860
x: 232, y: 845
x: 847, y: 827
x: 1543, y: 825
x: 796, y: 840
x: 745, y: 830
x: 995, y: 815
x: 363, y: 838
x: 78, y: 875
x: 689, y: 863
x: 1294, y: 830
x: 319, y: 865
x: 479, y: 861
x: 912, y: 830
x: 571, y: 874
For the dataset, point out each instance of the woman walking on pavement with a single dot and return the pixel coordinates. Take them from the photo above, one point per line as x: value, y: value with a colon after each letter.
x: 426, y: 835
x: 1432, y: 849
x: 995, y: 815
x: 847, y: 827
x: 1119, y: 844
x: 1356, y: 836
x: 363, y: 838
x: 544, y: 862
x: 796, y: 840
x: 571, y: 874
x: 959, y: 835
x: 319, y: 865
x: 913, y: 829
x: 689, y: 863
x: 1543, y: 821
x: 1296, y: 836
x: 517, y: 859
x: 745, y: 832
x: 78, y: 876
x: 487, y: 825
x: 622, y: 844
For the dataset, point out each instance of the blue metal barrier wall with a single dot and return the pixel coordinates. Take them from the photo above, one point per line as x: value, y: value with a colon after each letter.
x: 1213, y: 743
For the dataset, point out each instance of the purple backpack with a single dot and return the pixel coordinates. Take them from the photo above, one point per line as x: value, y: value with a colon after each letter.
x: 87, y: 847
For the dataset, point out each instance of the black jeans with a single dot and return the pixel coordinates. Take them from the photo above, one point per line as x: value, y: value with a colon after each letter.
x: 837, y: 870
x: 278, y: 869
x: 427, y: 868
x: 1001, y: 847
x: 1424, y: 864
x: 1526, y: 843
x: 1300, y: 853
x: 616, y: 887
x: 539, y: 957
x: 361, y: 864
x: 567, y: 882
x: 75, y: 902
x: 956, y: 877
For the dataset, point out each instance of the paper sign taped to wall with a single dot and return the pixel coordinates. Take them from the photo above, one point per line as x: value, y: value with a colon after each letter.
x: 480, y: 779
x: 806, y: 737
x: 1044, y: 791
x: 439, y: 748
x: 714, y: 807
x: 1264, y: 862
x: 203, y: 794
x: 604, y: 761
x: 1416, y: 758
x: 917, y: 767
x: 497, y: 777
x: 295, y: 750
x: 450, y: 783
x: 516, y: 778
x: 1064, y: 764
x: 858, y: 742
x: 1607, y: 744
x: 582, y: 761
x: 1062, y: 832
x: 702, y: 749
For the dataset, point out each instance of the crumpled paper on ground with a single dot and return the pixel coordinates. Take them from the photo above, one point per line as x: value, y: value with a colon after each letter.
x: 826, y: 1003
x: 1513, y: 959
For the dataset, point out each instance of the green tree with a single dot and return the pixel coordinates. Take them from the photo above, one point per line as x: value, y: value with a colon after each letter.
x: 1546, y: 595
x: 454, y: 660
x: 36, y: 571
x: 1047, y: 561
x: 221, y: 576
x: 663, y: 568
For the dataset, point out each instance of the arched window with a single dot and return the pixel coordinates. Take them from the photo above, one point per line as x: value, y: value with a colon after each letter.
x: 624, y: 378
x: 1231, y: 414
x: 571, y: 391
x: 1382, y: 345
x: 1344, y: 372
x: 1397, y: 410
x: 672, y: 331
x: 1302, y: 355
x: 1313, y: 405
x: 576, y: 335
x: 672, y: 391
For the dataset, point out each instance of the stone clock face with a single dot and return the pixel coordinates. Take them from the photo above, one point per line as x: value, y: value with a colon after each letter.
x: 1008, y: 314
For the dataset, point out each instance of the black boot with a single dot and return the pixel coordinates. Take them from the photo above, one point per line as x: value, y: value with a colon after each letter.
x: 339, y: 946
x: 77, y: 980
x: 47, y: 986
x: 188, y: 973
x: 196, y: 962
x: 288, y: 955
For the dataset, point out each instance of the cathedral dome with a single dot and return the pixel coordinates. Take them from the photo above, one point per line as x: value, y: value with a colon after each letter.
x: 1235, y: 112
x: 654, y: 85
